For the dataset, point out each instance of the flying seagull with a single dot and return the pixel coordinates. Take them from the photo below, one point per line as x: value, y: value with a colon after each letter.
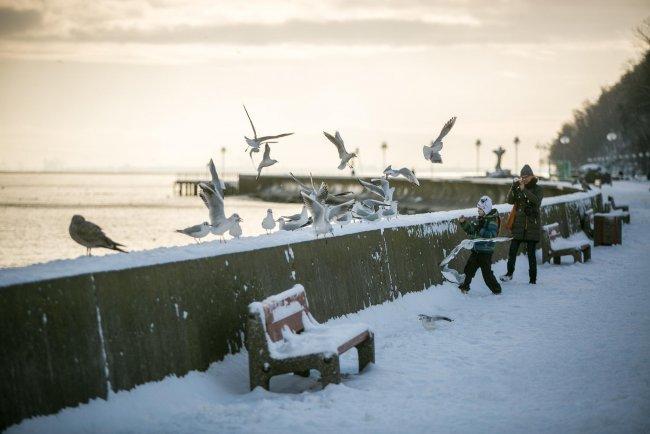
x: 196, y: 231
x: 405, y: 172
x: 344, y: 155
x: 256, y: 142
x: 432, y: 152
x: 266, y: 160
x: 90, y: 235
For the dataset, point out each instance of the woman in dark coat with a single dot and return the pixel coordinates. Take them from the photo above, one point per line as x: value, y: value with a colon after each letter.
x: 526, y: 197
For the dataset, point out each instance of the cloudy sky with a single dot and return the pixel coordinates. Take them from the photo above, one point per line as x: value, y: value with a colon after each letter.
x: 160, y: 83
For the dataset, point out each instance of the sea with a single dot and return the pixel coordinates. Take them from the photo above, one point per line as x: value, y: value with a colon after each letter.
x: 141, y: 211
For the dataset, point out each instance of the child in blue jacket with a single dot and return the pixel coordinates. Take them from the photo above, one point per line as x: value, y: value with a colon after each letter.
x: 486, y: 226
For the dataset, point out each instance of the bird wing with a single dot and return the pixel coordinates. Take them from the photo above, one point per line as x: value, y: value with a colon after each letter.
x: 267, y: 138
x: 338, y: 142
x: 90, y: 232
x: 372, y: 187
x: 427, y: 151
x: 314, y: 207
x: 303, y: 187
x: 323, y: 191
x: 214, y: 202
x: 339, y: 210
x: 445, y: 129
x: 267, y: 152
x: 216, y: 182
x: 251, y: 121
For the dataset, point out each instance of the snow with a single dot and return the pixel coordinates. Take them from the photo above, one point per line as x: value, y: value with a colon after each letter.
x: 573, y: 242
x: 570, y: 354
x: 437, y: 222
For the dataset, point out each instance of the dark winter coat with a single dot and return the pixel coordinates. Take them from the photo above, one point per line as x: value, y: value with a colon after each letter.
x: 527, y: 224
x: 484, y: 227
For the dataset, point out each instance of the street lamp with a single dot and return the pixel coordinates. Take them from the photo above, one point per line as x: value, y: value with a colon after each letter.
x: 478, y: 145
x: 516, y: 142
x: 223, y: 160
x: 384, y: 146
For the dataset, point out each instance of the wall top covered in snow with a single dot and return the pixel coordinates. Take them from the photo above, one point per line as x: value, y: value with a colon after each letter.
x: 136, y: 259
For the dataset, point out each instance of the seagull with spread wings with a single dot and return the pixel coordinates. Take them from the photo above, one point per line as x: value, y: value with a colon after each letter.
x: 432, y: 152
x: 266, y: 160
x: 344, y: 155
x: 256, y: 142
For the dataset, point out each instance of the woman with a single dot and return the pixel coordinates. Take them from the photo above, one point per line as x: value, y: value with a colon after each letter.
x: 526, y: 197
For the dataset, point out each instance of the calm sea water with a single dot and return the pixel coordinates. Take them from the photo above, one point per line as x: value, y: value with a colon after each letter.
x: 140, y: 211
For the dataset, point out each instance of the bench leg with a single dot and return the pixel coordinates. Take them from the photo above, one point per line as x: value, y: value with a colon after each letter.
x: 302, y: 373
x: 577, y: 256
x: 557, y: 260
x: 366, y: 352
x: 330, y: 370
x: 587, y: 254
x: 259, y: 378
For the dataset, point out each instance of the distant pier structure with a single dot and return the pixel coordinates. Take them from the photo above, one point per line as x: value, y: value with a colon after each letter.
x: 189, y: 186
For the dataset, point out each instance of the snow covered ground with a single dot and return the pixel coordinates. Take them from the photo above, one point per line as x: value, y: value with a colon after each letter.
x: 571, y: 354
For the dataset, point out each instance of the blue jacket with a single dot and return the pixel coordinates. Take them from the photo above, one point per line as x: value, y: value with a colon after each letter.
x: 484, y: 227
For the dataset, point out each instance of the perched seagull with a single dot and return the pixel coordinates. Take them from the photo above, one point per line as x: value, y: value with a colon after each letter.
x: 432, y: 152
x: 322, y: 214
x: 293, y: 222
x: 266, y: 160
x: 344, y: 219
x: 268, y: 223
x: 90, y: 235
x: 344, y: 155
x: 389, y: 211
x: 295, y: 217
x: 196, y: 231
x: 429, y: 322
x: 219, y: 224
x: 365, y: 212
x: 235, y: 230
x: 256, y: 142
x: 226, y: 226
x: 405, y: 172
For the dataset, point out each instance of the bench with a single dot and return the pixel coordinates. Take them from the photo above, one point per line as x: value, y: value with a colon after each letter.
x: 283, y: 338
x: 624, y: 210
x: 554, y: 246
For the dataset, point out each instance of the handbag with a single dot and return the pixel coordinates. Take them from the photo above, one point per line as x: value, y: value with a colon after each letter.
x: 511, y: 218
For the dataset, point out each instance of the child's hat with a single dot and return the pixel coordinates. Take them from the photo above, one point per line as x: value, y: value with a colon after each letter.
x: 485, y: 203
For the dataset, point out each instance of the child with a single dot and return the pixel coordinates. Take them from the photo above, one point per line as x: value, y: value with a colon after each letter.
x: 487, y: 226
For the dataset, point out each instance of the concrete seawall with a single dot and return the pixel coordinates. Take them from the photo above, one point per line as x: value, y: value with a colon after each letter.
x: 75, y: 330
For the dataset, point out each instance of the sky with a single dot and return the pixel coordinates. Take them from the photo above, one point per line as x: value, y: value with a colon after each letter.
x: 151, y: 84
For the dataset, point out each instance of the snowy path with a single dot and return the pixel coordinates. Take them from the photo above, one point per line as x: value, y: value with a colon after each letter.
x: 571, y: 354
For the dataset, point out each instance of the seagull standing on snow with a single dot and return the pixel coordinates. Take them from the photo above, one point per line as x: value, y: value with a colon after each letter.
x: 268, y: 222
x: 256, y: 142
x: 322, y: 214
x: 235, y: 230
x: 344, y: 155
x: 405, y: 172
x: 432, y: 152
x: 196, y: 231
x: 266, y: 160
x: 90, y: 235
x: 219, y: 224
x: 293, y: 222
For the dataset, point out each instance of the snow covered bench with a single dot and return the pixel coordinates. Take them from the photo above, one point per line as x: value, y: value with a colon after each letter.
x: 587, y: 223
x: 284, y: 338
x: 622, y: 210
x: 554, y: 246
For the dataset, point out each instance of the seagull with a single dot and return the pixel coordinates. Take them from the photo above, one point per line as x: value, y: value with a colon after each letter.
x: 344, y: 219
x: 219, y: 224
x: 268, y: 222
x: 365, y: 212
x: 322, y: 214
x: 385, y: 191
x: 405, y: 172
x: 90, y: 235
x: 266, y: 160
x: 235, y: 230
x: 390, y: 210
x: 296, y: 217
x: 217, y: 184
x: 432, y: 152
x: 226, y: 226
x: 293, y: 222
x: 196, y: 231
x: 344, y: 155
x: 256, y: 142
x: 429, y: 322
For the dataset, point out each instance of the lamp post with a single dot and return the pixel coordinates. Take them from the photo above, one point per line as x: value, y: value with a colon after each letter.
x: 384, y: 147
x: 541, y: 148
x: 516, y: 142
x: 223, y: 160
x: 478, y: 145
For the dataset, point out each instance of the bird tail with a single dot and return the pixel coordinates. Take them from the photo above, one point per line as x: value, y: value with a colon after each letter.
x: 116, y: 246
